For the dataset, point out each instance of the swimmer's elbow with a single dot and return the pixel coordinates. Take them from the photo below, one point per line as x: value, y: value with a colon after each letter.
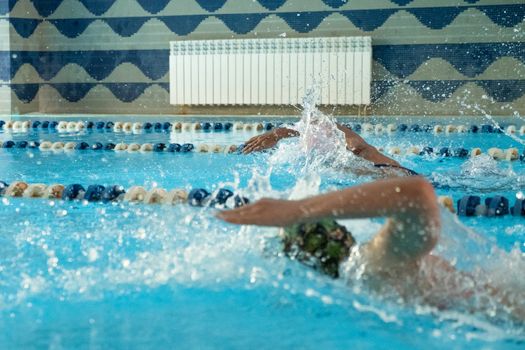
x: 427, y: 210
x: 425, y: 196
x: 417, y: 188
x: 420, y: 216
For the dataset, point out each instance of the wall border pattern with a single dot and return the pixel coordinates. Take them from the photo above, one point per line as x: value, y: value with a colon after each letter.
x: 30, y: 70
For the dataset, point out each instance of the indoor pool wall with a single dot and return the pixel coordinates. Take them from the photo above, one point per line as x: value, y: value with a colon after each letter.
x: 111, y: 56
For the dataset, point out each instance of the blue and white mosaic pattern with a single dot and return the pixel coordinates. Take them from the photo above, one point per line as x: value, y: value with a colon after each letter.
x: 66, y: 55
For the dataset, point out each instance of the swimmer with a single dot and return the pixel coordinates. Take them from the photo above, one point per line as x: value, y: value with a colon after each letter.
x: 355, y: 143
x: 397, y: 259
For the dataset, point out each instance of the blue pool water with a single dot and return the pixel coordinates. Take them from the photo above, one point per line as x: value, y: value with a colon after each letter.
x: 93, y: 275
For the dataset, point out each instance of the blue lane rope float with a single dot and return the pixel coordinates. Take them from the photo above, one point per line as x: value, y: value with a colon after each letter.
x: 18, y: 126
x: 510, y: 154
x: 518, y: 209
x: 467, y: 205
x: 497, y: 206
x: 94, y: 193
x: 72, y: 192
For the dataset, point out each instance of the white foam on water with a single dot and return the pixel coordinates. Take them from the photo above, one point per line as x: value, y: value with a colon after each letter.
x: 319, y: 152
x: 384, y: 316
x: 482, y: 174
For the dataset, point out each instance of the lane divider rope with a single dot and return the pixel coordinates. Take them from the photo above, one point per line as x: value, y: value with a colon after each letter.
x: 59, y: 146
x: 199, y: 197
x: 496, y: 206
x: 435, y: 128
x: 130, y: 127
x: 473, y: 206
x: 510, y: 154
x: 17, y: 126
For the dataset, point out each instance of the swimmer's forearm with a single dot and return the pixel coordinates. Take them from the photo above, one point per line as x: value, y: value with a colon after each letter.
x: 361, y: 148
x: 373, y: 155
x: 397, y: 197
x: 283, y: 133
x: 410, y: 204
x: 268, y: 140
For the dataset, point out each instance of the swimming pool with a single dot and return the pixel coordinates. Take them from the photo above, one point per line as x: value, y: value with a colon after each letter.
x: 76, y: 274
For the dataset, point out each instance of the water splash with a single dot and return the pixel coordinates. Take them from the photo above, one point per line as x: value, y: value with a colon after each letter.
x: 481, y: 174
x: 483, y: 295
x: 477, y: 108
x: 470, y: 253
x: 320, y: 151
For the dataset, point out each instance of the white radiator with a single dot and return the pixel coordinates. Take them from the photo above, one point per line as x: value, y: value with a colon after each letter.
x: 270, y: 71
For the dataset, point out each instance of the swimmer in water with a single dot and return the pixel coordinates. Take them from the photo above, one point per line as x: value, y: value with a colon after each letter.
x: 355, y: 143
x: 397, y: 259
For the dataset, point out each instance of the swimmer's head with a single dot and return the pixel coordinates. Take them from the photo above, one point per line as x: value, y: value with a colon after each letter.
x: 322, y: 245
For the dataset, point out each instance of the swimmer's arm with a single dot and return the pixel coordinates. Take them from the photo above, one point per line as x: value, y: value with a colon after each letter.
x: 268, y: 139
x: 357, y: 145
x: 410, y: 204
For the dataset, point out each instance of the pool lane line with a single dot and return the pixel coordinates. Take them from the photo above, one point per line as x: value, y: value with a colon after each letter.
x: 198, y: 197
x: 438, y: 129
x: 510, y: 154
x: 59, y: 147
x: 132, y: 127
x: 495, y: 206
x: 468, y: 206
x: 180, y: 126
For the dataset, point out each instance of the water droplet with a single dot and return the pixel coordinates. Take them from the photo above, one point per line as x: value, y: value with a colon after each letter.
x: 61, y: 213
x: 92, y: 255
x: 141, y: 233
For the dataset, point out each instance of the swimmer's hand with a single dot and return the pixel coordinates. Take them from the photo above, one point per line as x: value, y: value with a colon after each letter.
x: 267, y: 140
x: 266, y: 212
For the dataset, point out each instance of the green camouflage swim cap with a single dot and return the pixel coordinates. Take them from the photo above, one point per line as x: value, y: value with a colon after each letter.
x: 322, y: 245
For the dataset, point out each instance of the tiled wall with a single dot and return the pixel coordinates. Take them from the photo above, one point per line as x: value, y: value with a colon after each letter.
x: 5, y: 66
x: 111, y: 56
